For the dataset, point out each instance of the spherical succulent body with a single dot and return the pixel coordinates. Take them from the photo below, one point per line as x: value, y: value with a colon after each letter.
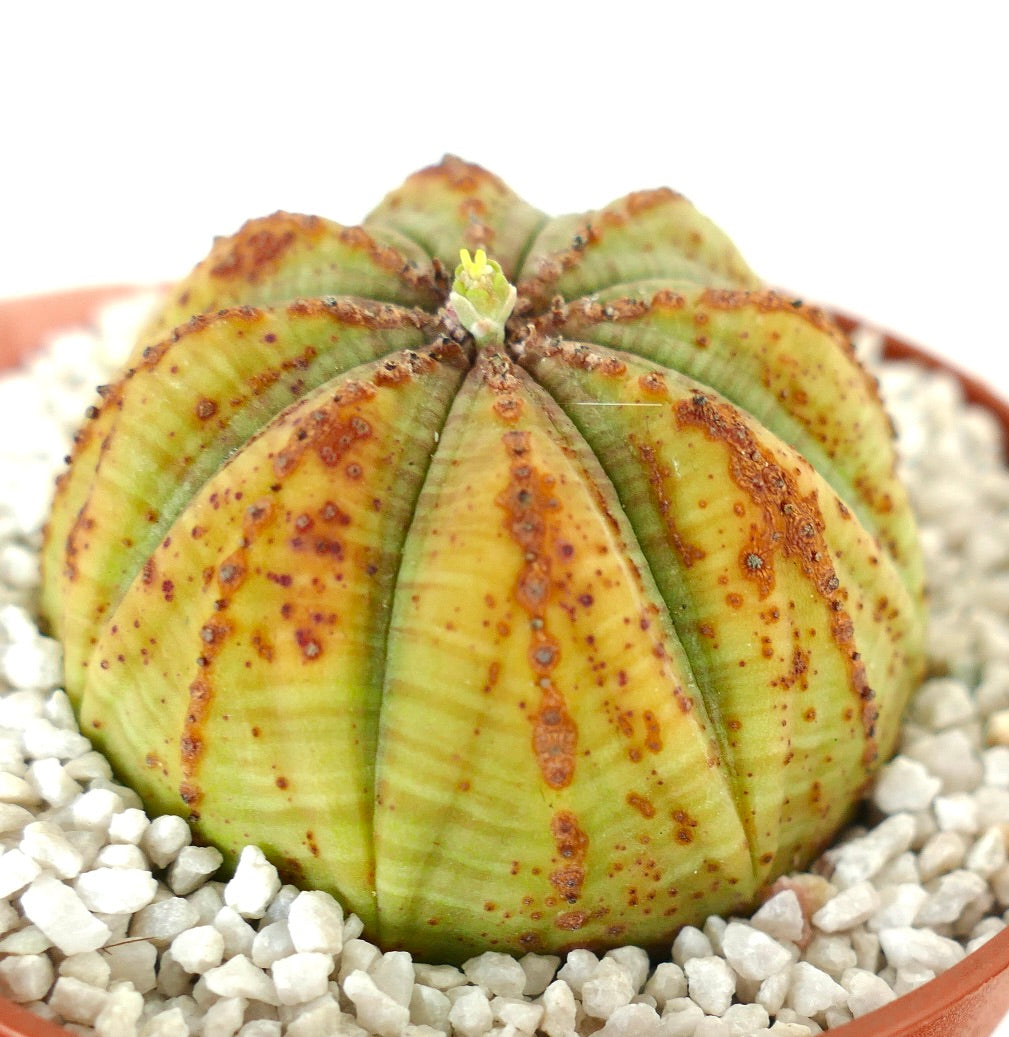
x: 561, y: 605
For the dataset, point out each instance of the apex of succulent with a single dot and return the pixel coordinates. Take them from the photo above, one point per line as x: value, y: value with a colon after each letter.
x: 482, y: 297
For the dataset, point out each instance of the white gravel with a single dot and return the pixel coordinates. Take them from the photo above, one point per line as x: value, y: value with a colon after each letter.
x: 114, y: 924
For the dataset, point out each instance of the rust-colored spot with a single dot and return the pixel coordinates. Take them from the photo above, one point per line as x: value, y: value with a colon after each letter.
x: 331, y: 431
x: 259, y: 245
x: 658, y: 477
x: 571, y: 921
x: 529, y: 503
x: 572, y: 846
x: 310, y: 647
x: 206, y: 409
x: 792, y: 525
x: 281, y: 782
x: 643, y: 806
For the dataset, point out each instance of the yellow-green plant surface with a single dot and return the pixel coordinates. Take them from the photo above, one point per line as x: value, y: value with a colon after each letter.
x: 561, y: 604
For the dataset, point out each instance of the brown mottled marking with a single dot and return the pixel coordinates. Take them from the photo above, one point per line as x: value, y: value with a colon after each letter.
x: 259, y: 245
x: 572, y: 845
x: 793, y: 525
x: 657, y: 476
x: 213, y: 634
x: 528, y: 502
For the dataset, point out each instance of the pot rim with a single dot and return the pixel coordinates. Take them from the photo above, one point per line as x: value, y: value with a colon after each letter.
x: 973, y: 993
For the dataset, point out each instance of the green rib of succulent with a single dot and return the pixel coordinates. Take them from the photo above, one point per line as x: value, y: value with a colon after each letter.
x: 560, y: 605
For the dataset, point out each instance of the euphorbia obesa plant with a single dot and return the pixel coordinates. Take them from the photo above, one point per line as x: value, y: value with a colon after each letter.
x: 562, y: 603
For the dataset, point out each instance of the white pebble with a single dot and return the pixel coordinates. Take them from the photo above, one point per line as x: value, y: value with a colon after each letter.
x: 515, y: 1011
x: 89, y: 967
x: 849, y: 908
x: 164, y: 837
x: 862, y: 858
x: 831, y: 954
x: 667, y: 982
x: 711, y: 983
x: 813, y: 991
x: 238, y: 977
x: 51, y: 781
x: 956, y: 813
x: 690, y: 942
x: 632, y: 1020
x: 393, y: 975
x: 238, y: 934
x: 580, y: 965
x: 315, y: 921
x: 772, y: 992
x: 271, y: 943
x: 380, y: 1014
x: 949, y: 898
x: 128, y: 826
x: 77, y: 1002
x: 781, y: 917
x: 499, y: 974
x: 17, y: 869
x: 199, y: 949
x: 866, y: 991
x: 470, y: 1014
x: 121, y: 855
x: 132, y: 961
x: 224, y: 1017
x: 58, y: 911
x: 254, y: 884
x: 539, y: 970
x: 609, y: 987
x: 16, y: 791
x: 94, y: 809
x: 193, y: 866
x: 116, y: 890
x: 120, y: 1013
x: 34, y: 662
x: 88, y: 767
x: 635, y: 960
x: 988, y: 854
x: 904, y: 784
x: 302, y: 977
x: 905, y: 946
x: 26, y: 977
x: 743, y: 1019
x: 899, y: 906
x: 910, y: 977
x: 943, y: 852
x: 681, y: 1018
x: 430, y: 1007
x: 753, y: 953
x: 559, y: 1009
x: 163, y: 920
x: 942, y: 702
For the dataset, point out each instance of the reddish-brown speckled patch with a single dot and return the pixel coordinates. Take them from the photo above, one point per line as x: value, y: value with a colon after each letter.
x: 529, y: 502
x: 572, y: 845
x: 658, y: 474
x: 792, y: 525
x: 213, y: 635
x: 259, y: 245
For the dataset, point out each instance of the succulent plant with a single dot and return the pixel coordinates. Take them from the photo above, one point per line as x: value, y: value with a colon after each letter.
x: 558, y: 604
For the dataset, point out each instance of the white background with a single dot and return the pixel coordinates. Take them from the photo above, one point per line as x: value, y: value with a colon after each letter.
x: 856, y: 152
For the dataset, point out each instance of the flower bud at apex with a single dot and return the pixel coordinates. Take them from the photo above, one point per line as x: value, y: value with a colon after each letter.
x: 482, y: 297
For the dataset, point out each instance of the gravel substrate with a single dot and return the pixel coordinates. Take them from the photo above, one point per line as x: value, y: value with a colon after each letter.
x: 113, y: 924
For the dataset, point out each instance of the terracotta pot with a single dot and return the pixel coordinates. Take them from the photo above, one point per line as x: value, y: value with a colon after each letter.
x: 967, y: 1001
